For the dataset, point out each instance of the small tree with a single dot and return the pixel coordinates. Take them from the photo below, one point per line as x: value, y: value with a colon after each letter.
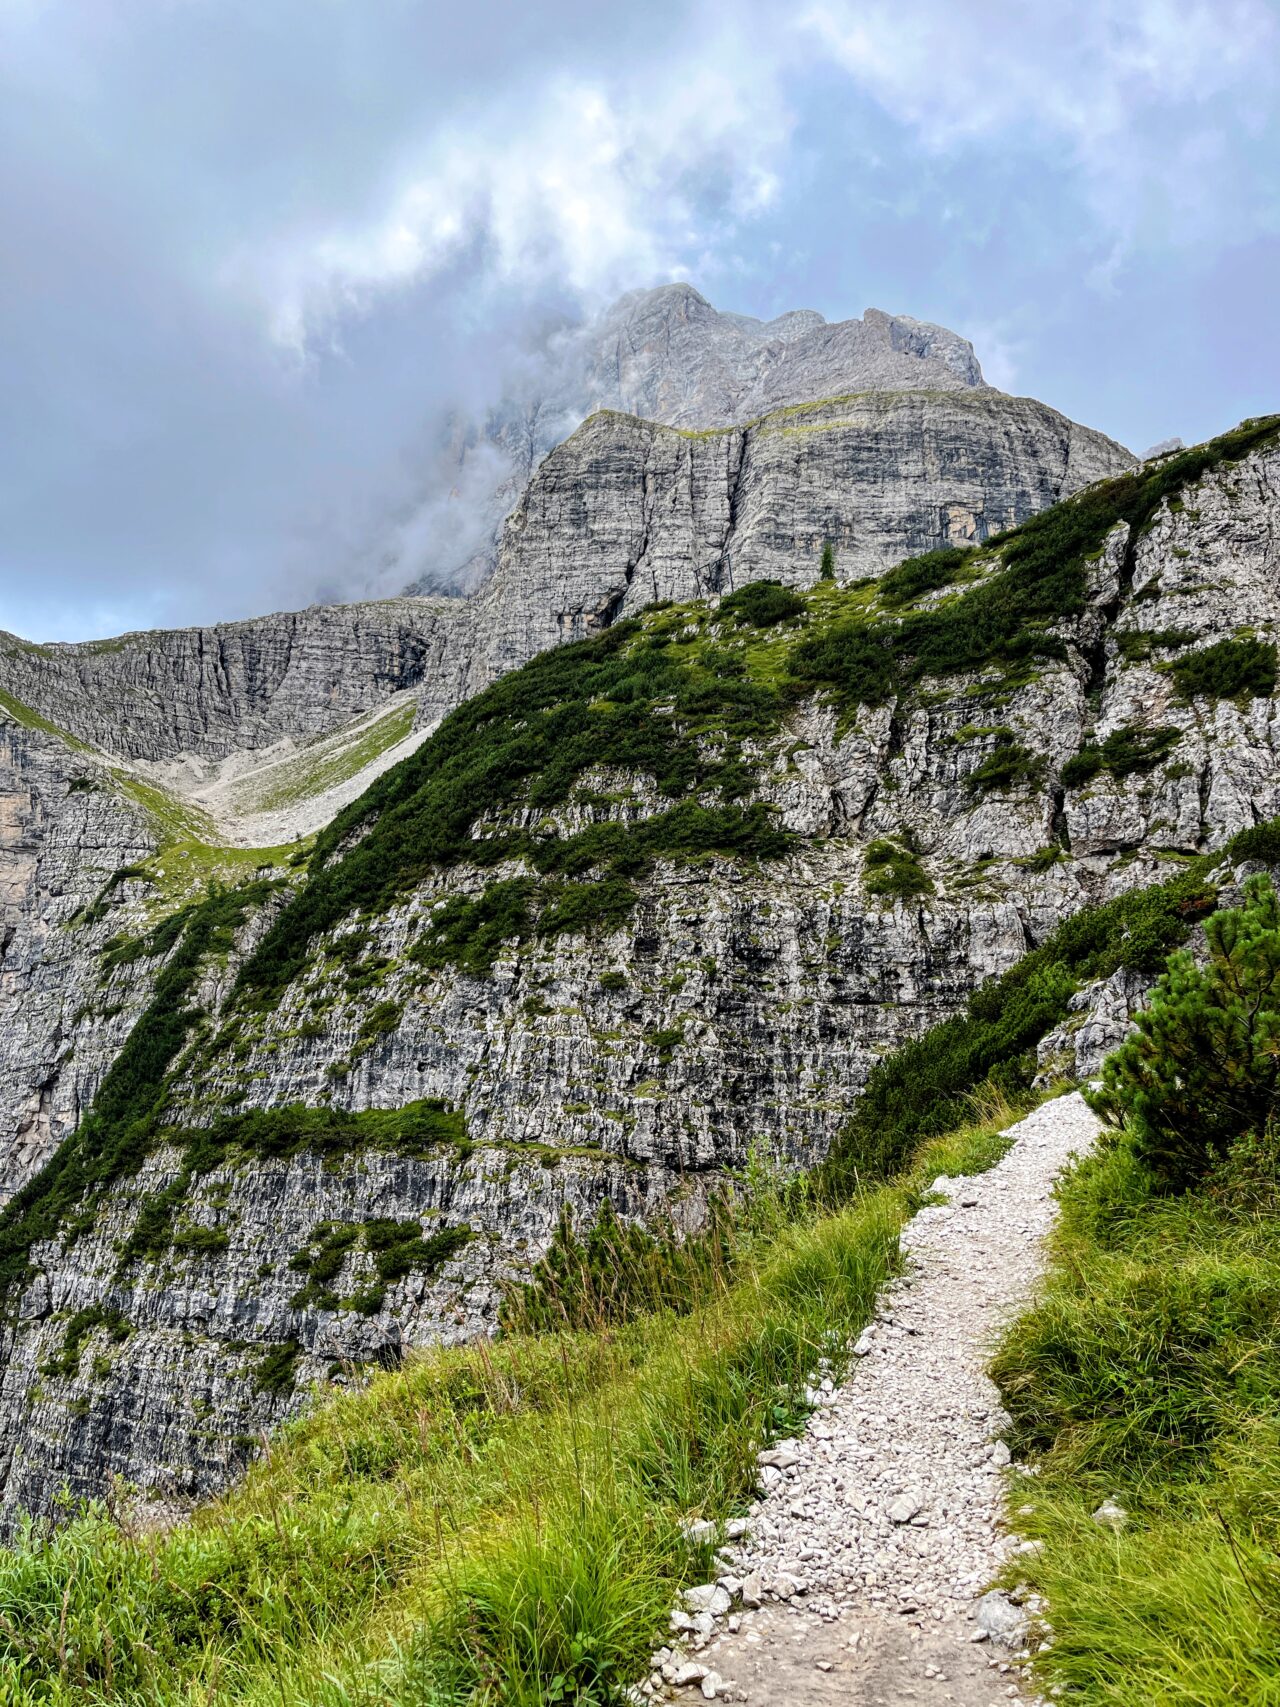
x: 1202, y: 1070
x: 828, y: 569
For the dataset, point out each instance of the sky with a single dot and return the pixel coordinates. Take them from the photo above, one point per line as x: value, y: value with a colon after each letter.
x: 253, y: 253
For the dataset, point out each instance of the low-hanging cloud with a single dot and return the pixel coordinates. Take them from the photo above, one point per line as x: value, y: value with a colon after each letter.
x: 260, y: 262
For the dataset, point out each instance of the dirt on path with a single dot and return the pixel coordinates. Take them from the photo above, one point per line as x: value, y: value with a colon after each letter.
x: 879, y: 1529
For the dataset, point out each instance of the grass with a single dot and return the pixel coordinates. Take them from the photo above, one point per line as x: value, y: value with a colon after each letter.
x: 1149, y: 1372
x: 327, y: 762
x: 500, y: 1522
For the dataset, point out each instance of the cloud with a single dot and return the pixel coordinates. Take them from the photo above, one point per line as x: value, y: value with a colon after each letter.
x: 1138, y: 98
x: 592, y: 184
x: 600, y: 185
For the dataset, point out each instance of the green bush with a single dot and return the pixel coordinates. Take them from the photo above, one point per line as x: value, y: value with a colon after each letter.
x: 892, y: 868
x: 1008, y: 766
x: 761, y: 604
x: 1123, y: 752
x: 1202, y: 1068
x: 827, y: 569
x: 1229, y: 669
x: 917, y: 575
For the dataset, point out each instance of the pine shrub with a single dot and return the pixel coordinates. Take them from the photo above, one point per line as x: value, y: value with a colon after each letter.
x: 1202, y: 1070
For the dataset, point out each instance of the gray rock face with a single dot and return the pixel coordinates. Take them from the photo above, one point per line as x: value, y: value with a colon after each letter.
x: 63, y: 836
x: 626, y: 512
x: 667, y: 355
x: 783, y: 986
x: 238, y: 686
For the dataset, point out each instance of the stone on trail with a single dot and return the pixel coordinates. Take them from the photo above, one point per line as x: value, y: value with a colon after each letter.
x: 904, y: 1508
x: 707, y: 1597
x: 1001, y: 1619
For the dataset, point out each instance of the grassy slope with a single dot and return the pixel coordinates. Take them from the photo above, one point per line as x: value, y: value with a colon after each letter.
x: 486, y: 1519
x: 1150, y: 1373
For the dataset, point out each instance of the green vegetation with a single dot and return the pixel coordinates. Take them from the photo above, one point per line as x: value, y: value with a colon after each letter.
x: 1137, y: 644
x: 893, y: 869
x: 1149, y: 1371
x: 1007, y: 767
x: 633, y: 700
x: 1228, y: 670
x: 276, y: 1368
x: 919, y: 575
x: 1123, y: 752
x: 326, y: 762
x: 827, y: 567
x: 761, y: 604
x: 29, y: 719
x: 397, y: 1248
x: 1203, y: 1067
x: 925, y: 1087
x: 114, y: 1137
x: 80, y: 1329
x: 489, y: 1523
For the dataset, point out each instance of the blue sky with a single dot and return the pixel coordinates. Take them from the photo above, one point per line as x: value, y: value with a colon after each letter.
x: 251, y: 253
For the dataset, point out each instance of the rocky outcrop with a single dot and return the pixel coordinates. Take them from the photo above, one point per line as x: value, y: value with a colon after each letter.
x: 667, y: 355
x: 65, y: 839
x: 626, y: 512
x: 205, y: 693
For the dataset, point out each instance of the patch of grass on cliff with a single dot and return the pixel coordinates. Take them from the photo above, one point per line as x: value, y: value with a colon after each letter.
x: 417, y: 1129
x: 491, y: 1523
x: 1231, y: 669
x: 396, y: 1247
x: 892, y: 869
x: 1125, y: 751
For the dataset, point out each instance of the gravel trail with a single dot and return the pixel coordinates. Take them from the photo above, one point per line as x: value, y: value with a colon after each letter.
x: 879, y: 1529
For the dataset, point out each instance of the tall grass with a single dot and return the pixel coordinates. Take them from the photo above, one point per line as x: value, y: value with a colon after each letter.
x: 1149, y: 1372
x: 499, y: 1522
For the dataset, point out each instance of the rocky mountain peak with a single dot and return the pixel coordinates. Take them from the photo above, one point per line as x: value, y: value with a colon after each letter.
x: 669, y: 356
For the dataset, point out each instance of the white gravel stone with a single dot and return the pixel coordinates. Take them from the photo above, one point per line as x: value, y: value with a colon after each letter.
x: 913, y: 1432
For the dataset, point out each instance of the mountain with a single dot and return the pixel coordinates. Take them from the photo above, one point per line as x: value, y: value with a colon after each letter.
x: 624, y: 910
x: 200, y: 746
x: 667, y: 356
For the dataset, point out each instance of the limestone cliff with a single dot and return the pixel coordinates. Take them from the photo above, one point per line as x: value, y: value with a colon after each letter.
x: 638, y: 907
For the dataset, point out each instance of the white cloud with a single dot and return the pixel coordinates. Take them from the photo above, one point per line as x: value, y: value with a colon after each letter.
x: 1133, y: 94
x: 598, y: 187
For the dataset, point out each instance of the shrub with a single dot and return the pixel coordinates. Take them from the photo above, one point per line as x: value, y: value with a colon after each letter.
x: 919, y: 575
x: 1123, y: 752
x: 1230, y: 668
x: 1203, y: 1067
x: 761, y: 604
x: 827, y: 571
x: 892, y: 868
x: 1008, y: 766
